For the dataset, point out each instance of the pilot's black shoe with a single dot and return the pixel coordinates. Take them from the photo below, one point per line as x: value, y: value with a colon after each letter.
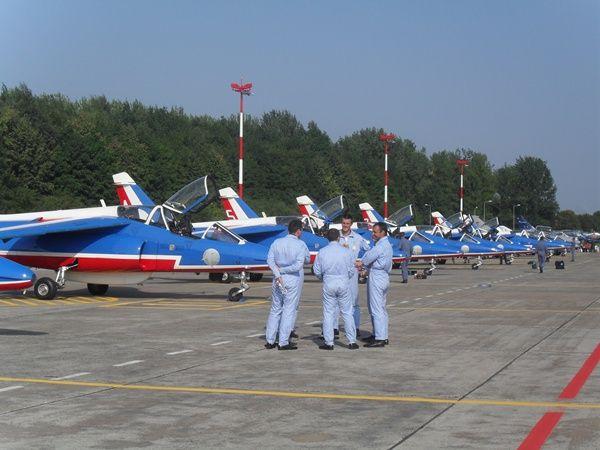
x: 336, y: 333
x: 376, y: 343
x: 290, y: 346
x: 353, y: 346
x: 293, y: 334
x: 270, y: 346
x: 357, y: 333
x: 404, y: 281
x: 541, y: 270
x: 368, y: 338
x: 326, y: 347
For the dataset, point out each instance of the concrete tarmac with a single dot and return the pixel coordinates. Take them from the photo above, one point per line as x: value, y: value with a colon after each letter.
x: 489, y: 359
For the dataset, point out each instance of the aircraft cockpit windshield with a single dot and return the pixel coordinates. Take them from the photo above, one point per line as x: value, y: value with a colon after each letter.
x: 220, y: 233
x: 332, y: 208
x: 193, y: 197
x: 418, y: 237
x: 402, y: 216
x: 456, y: 220
x: 139, y: 213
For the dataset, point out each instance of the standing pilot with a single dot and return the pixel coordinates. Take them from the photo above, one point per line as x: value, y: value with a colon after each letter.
x: 378, y: 262
x: 286, y: 260
x: 406, y: 247
x: 540, y: 250
x: 334, y: 265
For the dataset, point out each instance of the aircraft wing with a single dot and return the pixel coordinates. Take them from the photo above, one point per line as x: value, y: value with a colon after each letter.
x: 61, y: 226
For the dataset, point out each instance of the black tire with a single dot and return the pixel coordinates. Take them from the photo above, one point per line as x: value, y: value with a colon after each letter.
x: 97, y: 289
x: 234, y: 296
x: 45, y: 288
x: 215, y: 276
x: 254, y: 277
x: 428, y: 272
x: 474, y: 267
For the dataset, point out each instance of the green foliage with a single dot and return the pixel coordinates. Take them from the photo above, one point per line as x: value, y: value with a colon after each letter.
x: 56, y: 153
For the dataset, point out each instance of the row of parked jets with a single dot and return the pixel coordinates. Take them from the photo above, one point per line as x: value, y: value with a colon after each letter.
x: 130, y: 242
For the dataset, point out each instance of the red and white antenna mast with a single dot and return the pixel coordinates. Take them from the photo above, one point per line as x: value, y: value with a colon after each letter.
x: 462, y: 163
x: 243, y: 89
x: 386, y: 139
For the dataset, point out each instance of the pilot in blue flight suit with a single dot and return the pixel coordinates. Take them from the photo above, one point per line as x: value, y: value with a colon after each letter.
x: 378, y: 262
x: 286, y: 260
x: 356, y: 244
x: 540, y: 250
x: 406, y: 248
x: 334, y: 265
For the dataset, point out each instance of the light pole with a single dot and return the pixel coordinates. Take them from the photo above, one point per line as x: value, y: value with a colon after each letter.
x: 514, y: 206
x: 386, y: 139
x: 427, y: 204
x: 243, y: 89
x: 485, y: 203
x: 462, y: 163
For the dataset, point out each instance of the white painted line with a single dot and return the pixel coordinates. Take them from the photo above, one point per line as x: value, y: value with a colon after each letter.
x: 440, y: 293
x: 418, y: 298
x: 449, y: 292
x: 255, y: 335
x: 73, y: 375
x: 10, y: 388
x: 128, y: 363
x: 429, y: 296
x: 179, y: 352
x: 221, y: 343
x: 314, y: 322
x: 404, y: 301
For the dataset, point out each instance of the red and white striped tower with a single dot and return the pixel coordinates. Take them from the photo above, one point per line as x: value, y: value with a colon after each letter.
x: 462, y: 163
x: 243, y: 89
x: 386, y: 139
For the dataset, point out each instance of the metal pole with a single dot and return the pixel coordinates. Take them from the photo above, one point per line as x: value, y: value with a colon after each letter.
x: 241, y: 149
x: 385, y: 181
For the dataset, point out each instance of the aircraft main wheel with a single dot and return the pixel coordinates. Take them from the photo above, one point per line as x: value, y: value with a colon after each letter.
x: 254, y: 277
x: 45, y: 288
x: 234, y: 295
x: 97, y: 289
x: 428, y: 272
x: 475, y: 267
x: 225, y: 277
x: 215, y: 276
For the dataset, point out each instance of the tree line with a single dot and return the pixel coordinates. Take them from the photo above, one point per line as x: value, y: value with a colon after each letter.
x: 58, y: 153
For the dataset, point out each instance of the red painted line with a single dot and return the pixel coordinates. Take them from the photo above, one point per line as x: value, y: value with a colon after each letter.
x: 581, y: 377
x: 541, y: 431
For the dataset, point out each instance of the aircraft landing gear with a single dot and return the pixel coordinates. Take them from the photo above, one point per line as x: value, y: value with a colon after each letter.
x: 478, y: 264
x: 45, y: 288
x: 431, y: 268
x: 97, y: 289
x: 237, y: 294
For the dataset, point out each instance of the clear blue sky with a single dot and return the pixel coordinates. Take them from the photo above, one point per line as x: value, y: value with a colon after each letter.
x: 507, y: 78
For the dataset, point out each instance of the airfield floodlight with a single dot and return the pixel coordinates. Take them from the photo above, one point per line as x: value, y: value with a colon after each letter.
x: 243, y: 89
x: 485, y: 203
x: 386, y: 139
x: 514, y: 206
x: 462, y: 163
x: 427, y: 204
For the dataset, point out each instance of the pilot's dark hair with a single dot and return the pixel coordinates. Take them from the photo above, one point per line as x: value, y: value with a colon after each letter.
x: 294, y: 225
x: 333, y: 234
x: 382, y: 226
x: 348, y: 216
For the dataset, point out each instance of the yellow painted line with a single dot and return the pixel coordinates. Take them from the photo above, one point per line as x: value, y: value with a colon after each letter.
x: 244, y: 305
x: 450, y: 309
x: 7, y: 302
x: 79, y: 300
x: 312, y: 395
x: 27, y: 302
x: 107, y: 299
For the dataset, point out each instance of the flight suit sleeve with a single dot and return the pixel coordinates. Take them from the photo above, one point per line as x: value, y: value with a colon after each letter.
x: 317, y: 269
x: 350, y: 264
x: 370, y: 256
x: 271, y: 262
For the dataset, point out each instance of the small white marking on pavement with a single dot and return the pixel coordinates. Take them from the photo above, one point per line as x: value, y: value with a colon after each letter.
x: 10, y: 388
x: 418, y: 298
x: 404, y: 301
x: 314, y: 322
x: 440, y: 293
x: 221, y: 343
x: 431, y: 295
x: 255, y: 335
x: 179, y: 352
x: 128, y: 363
x: 73, y: 375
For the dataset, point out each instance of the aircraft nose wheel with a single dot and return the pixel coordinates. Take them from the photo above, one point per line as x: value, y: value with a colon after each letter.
x: 235, y: 295
x: 45, y: 288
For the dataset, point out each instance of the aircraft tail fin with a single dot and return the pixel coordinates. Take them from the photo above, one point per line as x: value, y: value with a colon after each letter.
x: 129, y: 192
x: 306, y: 205
x: 235, y: 208
x: 370, y: 214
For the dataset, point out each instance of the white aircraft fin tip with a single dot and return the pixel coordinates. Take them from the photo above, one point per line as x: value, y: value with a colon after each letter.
x: 228, y: 192
x: 304, y: 200
x: 365, y: 206
x: 122, y: 178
